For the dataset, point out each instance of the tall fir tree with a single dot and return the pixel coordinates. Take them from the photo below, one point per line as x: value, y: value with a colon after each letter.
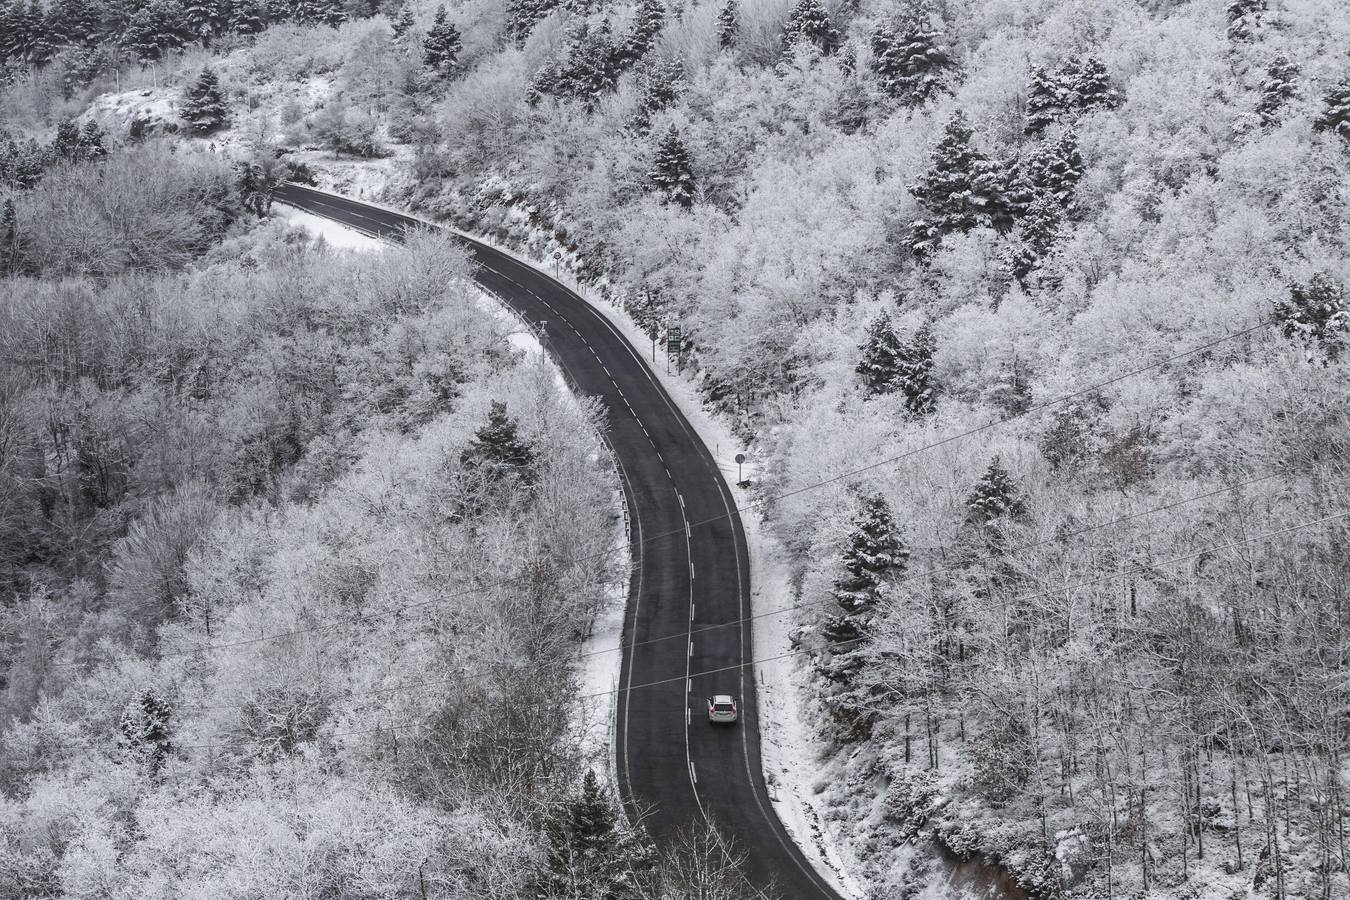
x: 497, y: 450
x: 1047, y: 98
x: 523, y: 15
x: 203, y: 18
x: 879, y: 366
x: 9, y: 238
x: 1090, y: 84
x: 809, y: 23
x: 728, y: 24
x: 589, y: 852
x: 1335, y: 116
x: 659, y: 84
x: 403, y: 23
x: 248, y: 16
x: 1317, y: 313
x: 914, y: 376
x: 318, y: 12
x: 962, y: 189
x: 648, y: 20
x: 589, y: 70
x: 672, y: 171
x: 1278, y: 87
x: 204, y: 106
x: 995, y: 497
x: 78, y: 22
x: 874, y: 557
x: 146, y: 729
x: 910, y: 63
x: 1244, y: 17
x: 440, y: 50
x: 1037, y: 235
x: 1055, y: 169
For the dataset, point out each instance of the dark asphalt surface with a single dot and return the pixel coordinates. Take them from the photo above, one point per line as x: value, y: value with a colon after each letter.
x: 674, y: 767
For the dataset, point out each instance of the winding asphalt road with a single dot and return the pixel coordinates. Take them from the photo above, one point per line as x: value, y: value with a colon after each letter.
x: 692, y: 572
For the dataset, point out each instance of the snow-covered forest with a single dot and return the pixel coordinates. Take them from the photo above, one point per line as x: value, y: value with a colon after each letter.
x: 1033, y: 312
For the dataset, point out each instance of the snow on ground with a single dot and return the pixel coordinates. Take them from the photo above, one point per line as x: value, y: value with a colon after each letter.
x: 337, y: 236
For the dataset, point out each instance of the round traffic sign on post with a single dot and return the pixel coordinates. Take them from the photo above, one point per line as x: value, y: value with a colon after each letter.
x: 740, y: 458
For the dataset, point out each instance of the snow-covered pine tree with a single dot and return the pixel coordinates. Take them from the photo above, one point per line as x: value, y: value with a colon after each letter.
x: 588, y: 71
x: 1317, y: 313
x: 590, y: 852
x: 1047, y: 98
x: 995, y: 497
x: 204, y: 18
x: 9, y: 238
x: 809, y: 23
x: 523, y: 15
x: 875, y: 554
x: 204, y: 107
x: 1037, y: 235
x: 1335, y: 115
x: 961, y: 190
x: 318, y: 12
x: 648, y: 19
x: 77, y: 22
x: 248, y: 16
x: 880, y: 363
x: 1244, y: 17
x: 1278, y: 87
x: 919, y: 62
x: 403, y: 22
x: 672, y: 171
x: 728, y: 24
x: 1056, y: 168
x: 660, y: 84
x: 440, y: 49
x: 914, y: 376
x: 145, y: 727
x: 26, y: 36
x: 1090, y: 85
x: 497, y: 450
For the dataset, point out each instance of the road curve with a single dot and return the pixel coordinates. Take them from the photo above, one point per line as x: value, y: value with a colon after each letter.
x: 674, y: 768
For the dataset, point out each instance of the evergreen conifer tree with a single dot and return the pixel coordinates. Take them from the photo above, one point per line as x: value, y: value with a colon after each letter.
x: 66, y: 144
x: 440, y: 50
x: 145, y: 728
x: 660, y: 84
x: 1244, y: 16
x: 77, y: 22
x: 204, y: 107
x: 914, y: 376
x: 648, y: 20
x: 1335, y: 115
x: 1090, y: 85
x: 523, y: 15
x: 961, y: 190
x: 1278, y: 87
x: 1047, y: 98
x: 9, y: 238
x: 914, y: 62
x: 203, y: 18
x: 248, y: 16
x: 880, y: 363
x: 995, y: 497
x: 1317, y: 313
x: 728, y: 24
x: 1038, y: 234
x: 1056, y: 168
x: 318, y: 12
x: 588, y: 72
x: 809, y: 23
x: 497, y: 449
x: 403, y: 23
x: 874, y: 556
x: 590, y: 853
x: 672, y: 170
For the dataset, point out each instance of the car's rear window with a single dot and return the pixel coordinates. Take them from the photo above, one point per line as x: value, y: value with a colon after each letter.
x: 723, y: 707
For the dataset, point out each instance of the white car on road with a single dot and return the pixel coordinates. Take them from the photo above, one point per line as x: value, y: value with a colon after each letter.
x: 722, y: 709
